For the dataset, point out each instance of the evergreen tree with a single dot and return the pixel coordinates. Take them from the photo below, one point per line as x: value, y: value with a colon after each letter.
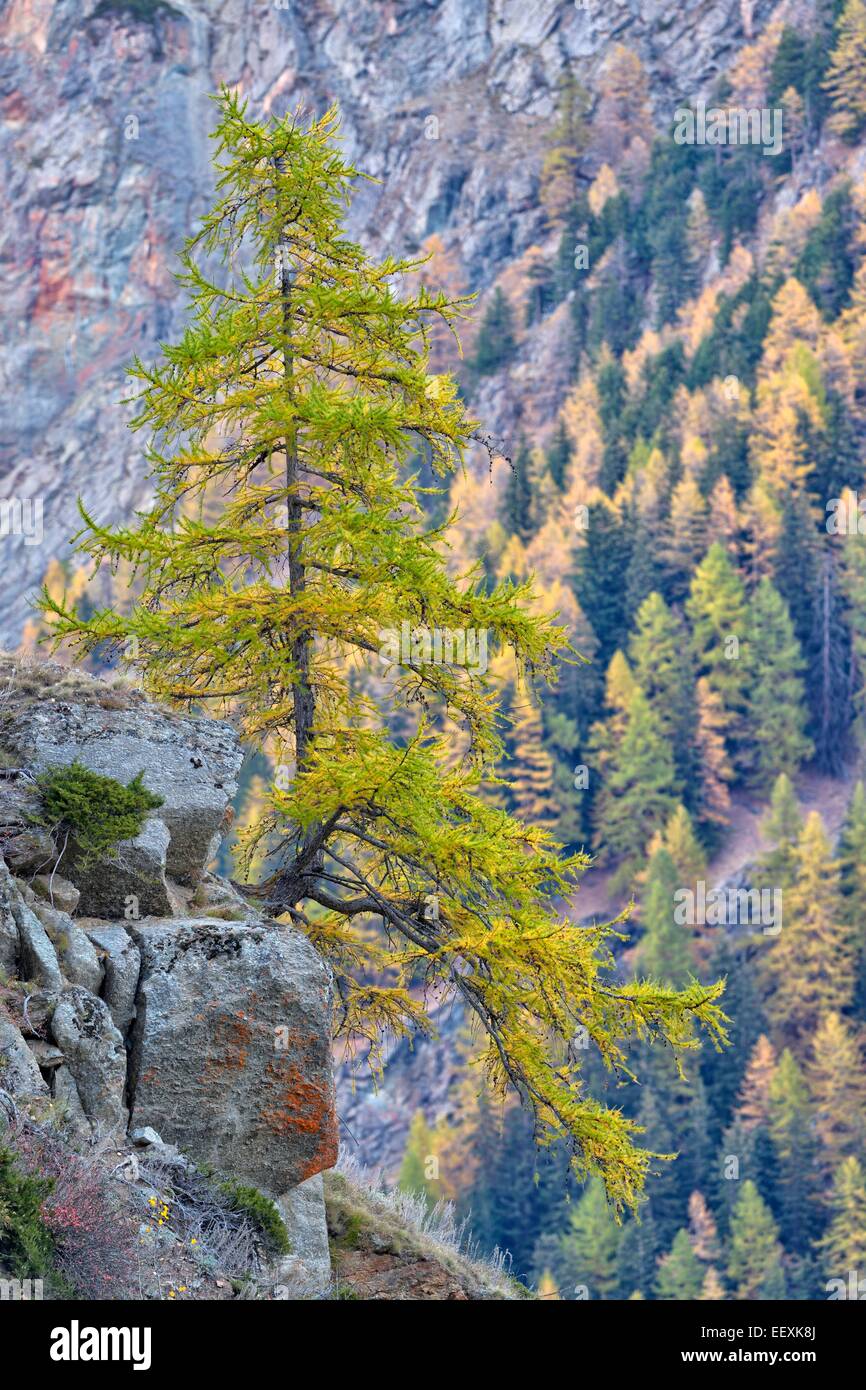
x: 680, y: 1273
x: 793, y: 1136
x: 723, y: 1071
x: 776, y: 712
x: 495, y: 345
x: 589, y: 1247
x: 664, y: 947
x: 717, y: 611
x: 852, y: 871
x: 659, y: 654
x: 755, y: 1256
x: 836, y: 1078
x: 846, y: 77
x: 843, y: 1248
x: 639, y: 789
x: 810, y: 964
x: 298, y: 396
x: 637, y: 1256
x: 532, y: 772
x: 783, y: 826
x: 602, y: 561
x: 559, y: 454
x: 517, y: 517
x: 416, y: 1170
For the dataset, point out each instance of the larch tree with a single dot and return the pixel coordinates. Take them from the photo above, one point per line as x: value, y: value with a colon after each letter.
x: 843, y: 1247
x: 714, y: 771
x: 810, y: 964
x: 297, y: 395
x: 846, y: 76
x: 836, y: 1080
x: 754, y: 1101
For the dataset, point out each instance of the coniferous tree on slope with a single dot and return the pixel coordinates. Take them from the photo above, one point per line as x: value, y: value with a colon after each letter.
x: 776, y: 719
x: 298, y: 394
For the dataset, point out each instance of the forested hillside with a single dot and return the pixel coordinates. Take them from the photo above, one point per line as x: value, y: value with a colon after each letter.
x: 694, y: 513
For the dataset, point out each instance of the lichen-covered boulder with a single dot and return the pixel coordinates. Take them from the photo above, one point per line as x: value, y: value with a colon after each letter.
x: 94, y: 1053
x: 192, y: 763
x: 230, y: 1055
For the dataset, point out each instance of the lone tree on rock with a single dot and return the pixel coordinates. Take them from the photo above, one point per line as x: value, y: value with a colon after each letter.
x: 286, y: 547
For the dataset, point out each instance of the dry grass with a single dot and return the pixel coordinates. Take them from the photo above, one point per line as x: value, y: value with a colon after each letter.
x: 364, y: 1211
x: 24, y: 679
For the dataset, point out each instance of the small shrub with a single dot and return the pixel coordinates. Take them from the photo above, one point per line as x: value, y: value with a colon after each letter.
x: 262, y: 1211
x: 26, y: 1244
x: 93, y: 1251
x: 97, y: 811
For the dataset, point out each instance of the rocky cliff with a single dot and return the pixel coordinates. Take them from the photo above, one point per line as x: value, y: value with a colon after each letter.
x: 139, y: 994
x: 105, y: 162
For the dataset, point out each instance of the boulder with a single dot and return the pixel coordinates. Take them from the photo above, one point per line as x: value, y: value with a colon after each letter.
x: 37, y: 957
x: 121, y: 960
x: 129, y: 880
x: 192, y: 763
x: 57, y: 891
x: 19, y: 1071
x: 230, y: 1050
x: 93, y: 1048
x: 307, y: 1270
x: 9, y: 938
x: 26, y: 848
x: 78, y: 959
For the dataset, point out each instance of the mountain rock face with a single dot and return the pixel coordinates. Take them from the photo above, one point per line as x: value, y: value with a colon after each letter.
x: 208, y: 1026
x: 106, y: 166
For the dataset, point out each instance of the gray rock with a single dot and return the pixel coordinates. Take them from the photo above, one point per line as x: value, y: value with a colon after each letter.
x: 46, y: 1054
x: 230, y: 1053
x: 193, y: 764
x: 142, y: 1138
x: 122, y: 965
x: 27, y: 848
x: 71, y: 1116
x: 78, y: 959
x: 19, y: 1070
x: 307, y: 1270
x: 38, y: 958
x: 9, y: 938
x: 131, y: 879
x: 58, y: 891
x: 94, y: 1052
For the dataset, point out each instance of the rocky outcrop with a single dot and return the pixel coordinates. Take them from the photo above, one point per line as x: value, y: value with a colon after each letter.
x: 207, y: 1034
x: 230, y: 1050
